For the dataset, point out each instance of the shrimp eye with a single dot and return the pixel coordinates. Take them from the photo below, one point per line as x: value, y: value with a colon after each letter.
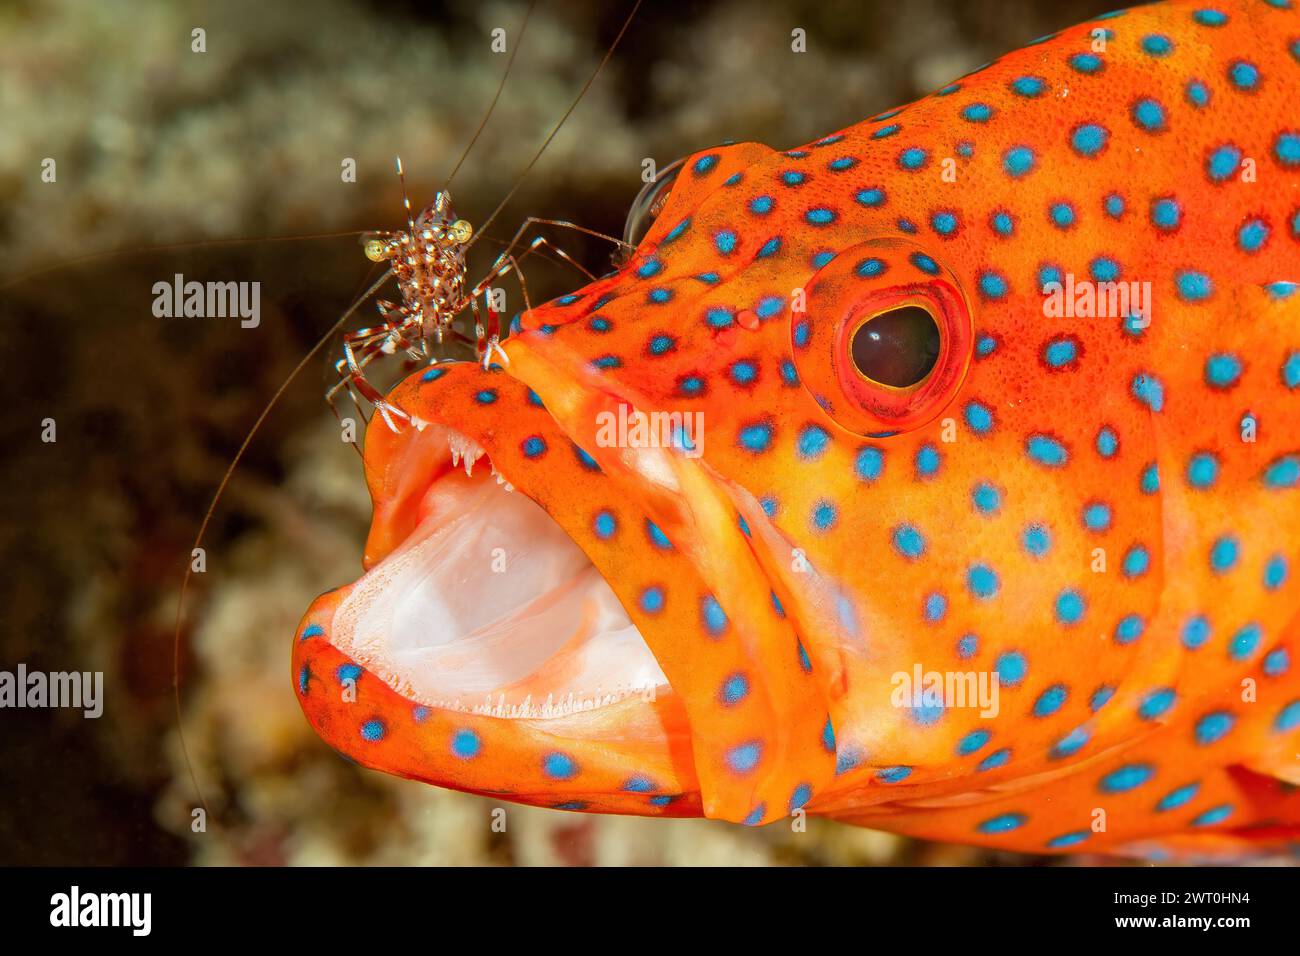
x: 898, y: 348
x: 649, y: 203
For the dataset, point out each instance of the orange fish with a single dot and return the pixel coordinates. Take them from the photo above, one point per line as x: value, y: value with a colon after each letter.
x: 941, y: 475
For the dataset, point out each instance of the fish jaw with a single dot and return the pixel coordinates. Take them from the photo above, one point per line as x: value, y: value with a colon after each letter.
x: 593, y: 696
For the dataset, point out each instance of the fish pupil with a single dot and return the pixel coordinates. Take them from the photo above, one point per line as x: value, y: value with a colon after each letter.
x: 897, y: 348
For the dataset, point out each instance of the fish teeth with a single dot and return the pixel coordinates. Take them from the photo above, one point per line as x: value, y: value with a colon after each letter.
x: 463, y: 449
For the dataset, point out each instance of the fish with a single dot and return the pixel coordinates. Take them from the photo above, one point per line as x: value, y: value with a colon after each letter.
x: 940, y: 476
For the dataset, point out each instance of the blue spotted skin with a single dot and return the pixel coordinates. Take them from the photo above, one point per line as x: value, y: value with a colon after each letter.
x: 1101, y: 509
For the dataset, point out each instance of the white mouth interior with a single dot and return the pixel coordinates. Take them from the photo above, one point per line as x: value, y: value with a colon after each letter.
x: 490, y: 607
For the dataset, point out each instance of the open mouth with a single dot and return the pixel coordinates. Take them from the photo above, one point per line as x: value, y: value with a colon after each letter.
x: 489, y: 607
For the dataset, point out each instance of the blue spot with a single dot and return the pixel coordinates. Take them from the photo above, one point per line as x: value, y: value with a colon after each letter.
x: 1156, y: 44
x: 466, y: 744
x: 1288, y: 717
x: 893, y: 774
x: 652, y: 599
x: 1252, y: 236
x: 705, y: 164
x: 986, y: 498
x: 734, y: 689
x: 1029, y: 86
x: 1011, y: 667
x: 1129, y: 629
x: 349, y: 673
x: 1100, y: 697
x: 1244, y: 75
x: 1002, y: 823
x: 982, y: 581
x: 935, y: 607
x: 1137, y: 561
x: 1198, y: 94
x: 994, y: 760
x: 1156, y: 703
x: 871, y: 197
x: 559, y: 766
x: 433, y: 374
x: 820, y: 216
x: 1070, y: 744
x: 1177, y: 798
x: 1222, y: 370
x: 1213, y: 727
x: 725, y: 241
x: 373, y: 730
x: 1149, y: 115
x: 968, y: 646
x: 745, y: 757
x: 1070, y: 606
x: 824, y: 515
x: 979, y: 418
x: 1060, y: 352
x: 1149, y: 391
x: 657, y: 536
x: 813, y: 441
x: 1166, y: 214
x: 1275, y: 572
x: 870, y: 268
x: 1037, y: 540
x: 1097, y: 516
x: 1150, y: 480
x: 1050, y: 700
x: 605, y: 525
x: 944, y: 223
x: 1223, y: 162
x: 992, y: 285
x: 760, y: 205
x: 744, y: 372
x: 1245, y: 642
x: 1213, y: 815
x: 1089, y: 139
x: 1202, y: 470
x: 1126, y: 778
x: 1073, y: 838
x: 533, y: 447
x: 650, y: 268
x: 908, y: 541
x: 638, y: 783
x: 756, y: 437
x: 1223, y: 554
x: 1287, y: 149
x: 1210, y: 18
x: 661, y: 344
x: 870, y: 462
x: 913, y: 158
x: 1107, y: 442
x: 1002, y: 223
x: 715, y: 619
x: 972, y: 742
x: 1086, y: 63
x: 312, y: 630
x: 841, y: 164
x: 927, y: 461
x: 1047, y: 451
x: 1195, y: 632
x: 659, y: 296
x: 924, y: 263
x: 1284, y: 472
x: 1018, y: 161
x: 486, y: 397
x: 1114, y: 205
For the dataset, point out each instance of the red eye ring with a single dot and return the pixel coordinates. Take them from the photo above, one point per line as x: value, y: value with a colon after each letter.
x: 861, y: 284
x: 901, y: 408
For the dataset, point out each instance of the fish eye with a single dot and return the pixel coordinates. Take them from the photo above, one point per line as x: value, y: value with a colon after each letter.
x: 897, y: 348
x: 649, y: 203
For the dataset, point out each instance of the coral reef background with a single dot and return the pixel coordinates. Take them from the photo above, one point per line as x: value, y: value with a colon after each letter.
x: 163, y: 156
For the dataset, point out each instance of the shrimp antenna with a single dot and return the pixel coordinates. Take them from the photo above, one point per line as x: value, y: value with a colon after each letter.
x: 547, y: 142
x: 519, y: 39
x: 212, y: 507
